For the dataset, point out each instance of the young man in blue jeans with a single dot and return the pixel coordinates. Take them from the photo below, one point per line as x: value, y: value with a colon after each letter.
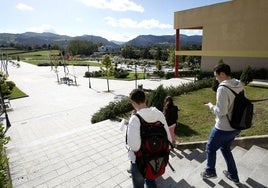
x: 222, y: 134
x: 149, y: 114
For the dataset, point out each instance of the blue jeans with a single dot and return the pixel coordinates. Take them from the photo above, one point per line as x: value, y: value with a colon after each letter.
x: 138, y: 180
x: 222, y: 140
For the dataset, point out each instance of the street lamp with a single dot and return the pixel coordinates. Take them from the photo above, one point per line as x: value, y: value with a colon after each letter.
x: 89, y: 83
x: 136, y: 75
x: 144, y: 72
x: 3, y: 106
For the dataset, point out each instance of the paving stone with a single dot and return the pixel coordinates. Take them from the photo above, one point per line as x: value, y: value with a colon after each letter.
x: 54, y: 144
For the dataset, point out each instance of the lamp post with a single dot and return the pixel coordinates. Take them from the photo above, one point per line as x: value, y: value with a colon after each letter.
x: 136, y: 75
x: 3, y: 106
x: 89, y: 84
x: 144, y: 72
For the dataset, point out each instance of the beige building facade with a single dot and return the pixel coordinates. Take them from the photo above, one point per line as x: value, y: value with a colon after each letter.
x: 235, y: 31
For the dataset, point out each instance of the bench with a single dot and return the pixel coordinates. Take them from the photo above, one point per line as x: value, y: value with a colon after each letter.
x: 66, y: 80
x: 154, y: 78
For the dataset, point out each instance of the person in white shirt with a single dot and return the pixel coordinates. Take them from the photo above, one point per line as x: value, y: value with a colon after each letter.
x: 149, y: 114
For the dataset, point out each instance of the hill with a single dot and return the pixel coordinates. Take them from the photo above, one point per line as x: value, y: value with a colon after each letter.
x: 33, y: 39
x: 168, y: 40
x: 39, y: 39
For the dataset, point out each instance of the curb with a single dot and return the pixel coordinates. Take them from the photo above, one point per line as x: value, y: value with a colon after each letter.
x: 244, y: 142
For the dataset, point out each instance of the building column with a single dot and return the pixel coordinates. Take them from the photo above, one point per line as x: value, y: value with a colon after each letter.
x: 177, y: 49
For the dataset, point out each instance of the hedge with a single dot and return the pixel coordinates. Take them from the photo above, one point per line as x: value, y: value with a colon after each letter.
x: 120, y: 108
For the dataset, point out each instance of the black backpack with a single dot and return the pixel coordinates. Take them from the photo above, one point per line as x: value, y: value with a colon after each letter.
x: 153, y: 156
x: 242, y: 112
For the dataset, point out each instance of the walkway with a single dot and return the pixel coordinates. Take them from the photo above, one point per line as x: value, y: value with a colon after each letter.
x: 53, y: 143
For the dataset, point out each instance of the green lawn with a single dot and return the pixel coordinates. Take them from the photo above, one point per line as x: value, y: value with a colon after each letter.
x: 17, y: 93
x: 196, y: 120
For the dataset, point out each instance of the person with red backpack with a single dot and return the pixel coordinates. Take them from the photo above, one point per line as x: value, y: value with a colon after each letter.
x: 147, y: 165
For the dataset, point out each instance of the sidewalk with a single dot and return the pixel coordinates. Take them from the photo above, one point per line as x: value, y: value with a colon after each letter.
x: 53, y: 143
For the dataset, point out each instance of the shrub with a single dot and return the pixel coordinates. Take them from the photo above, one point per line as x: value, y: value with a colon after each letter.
x: 5, y: 87
x: 170, y: 75
x: 4, y: 174
x: 246, y: 76
x: 203, y: 74
x: 43, y: 64
x: 93, y: 74
x: 260, y: 73
x: 188, y: 87
x: 159, y: 73
x: 112, y: 110
x: 120, y: 73
x: 154, y: 98
x: 157, y: 97
x: 215, y: 85
x: 10, y: 84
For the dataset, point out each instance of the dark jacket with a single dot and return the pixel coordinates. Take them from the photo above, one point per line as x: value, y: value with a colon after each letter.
x: 171, y: 115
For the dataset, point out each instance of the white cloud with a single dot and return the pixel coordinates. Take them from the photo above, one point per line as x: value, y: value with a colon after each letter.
x: 24, y: 7
x: 115, y: 5
x: 191, y: 32
x: 129, y: 23
x: 42, y: 28
x: 117, y: 36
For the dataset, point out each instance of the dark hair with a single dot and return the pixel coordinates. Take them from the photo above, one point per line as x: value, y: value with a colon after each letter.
x: 168, y: 102
x: 223, y: 68
x: 138, y: 96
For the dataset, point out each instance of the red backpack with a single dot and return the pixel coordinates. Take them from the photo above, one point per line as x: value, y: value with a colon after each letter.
x: 153, y: 155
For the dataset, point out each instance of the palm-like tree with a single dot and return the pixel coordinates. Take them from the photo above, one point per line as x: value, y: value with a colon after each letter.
x: 108, y: 67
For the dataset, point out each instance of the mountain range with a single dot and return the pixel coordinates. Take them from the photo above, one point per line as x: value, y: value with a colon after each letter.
x: 39, y: 39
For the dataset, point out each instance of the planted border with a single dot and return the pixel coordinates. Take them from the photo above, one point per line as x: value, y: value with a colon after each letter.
x: 4, y: 171
x: 120, y: 108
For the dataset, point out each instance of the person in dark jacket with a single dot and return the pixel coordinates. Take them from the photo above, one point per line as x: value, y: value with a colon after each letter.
x: 171, y: 114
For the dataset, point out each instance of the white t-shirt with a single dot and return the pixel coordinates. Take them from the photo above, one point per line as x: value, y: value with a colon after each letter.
x: 151, y: 114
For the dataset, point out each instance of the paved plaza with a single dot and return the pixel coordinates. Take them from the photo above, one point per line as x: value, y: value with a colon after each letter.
x: 53, y: 143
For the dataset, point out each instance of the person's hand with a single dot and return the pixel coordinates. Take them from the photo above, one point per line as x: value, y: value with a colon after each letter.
x: 207, y: 104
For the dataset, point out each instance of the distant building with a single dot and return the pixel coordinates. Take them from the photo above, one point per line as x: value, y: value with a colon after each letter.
x: 235, y: 31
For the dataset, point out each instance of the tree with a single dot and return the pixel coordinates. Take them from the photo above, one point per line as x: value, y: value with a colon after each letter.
x: 108, y: 67
x: 158, y: 65
x: 247, y: 75
x: 128, y: 52
x: 158, y: 54
x: 157, y: 97
x: 81, y: 47
x: 171, y: 58
x: 145, y: 53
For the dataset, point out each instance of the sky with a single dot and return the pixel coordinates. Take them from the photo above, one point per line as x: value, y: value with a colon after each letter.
x: 118, y: 20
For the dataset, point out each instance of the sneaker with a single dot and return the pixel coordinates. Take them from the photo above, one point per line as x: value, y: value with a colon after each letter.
x: 206, y: 175
x: 228, y: 175
x: 129, y: 170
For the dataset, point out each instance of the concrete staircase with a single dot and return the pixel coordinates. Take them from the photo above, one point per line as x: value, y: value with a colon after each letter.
x: 252, y: 166
x: 95, y: 156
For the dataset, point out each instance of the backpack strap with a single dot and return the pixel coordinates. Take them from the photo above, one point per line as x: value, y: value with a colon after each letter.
x: 142, y: 121
x: 230, y: 89
x: 235, y: 96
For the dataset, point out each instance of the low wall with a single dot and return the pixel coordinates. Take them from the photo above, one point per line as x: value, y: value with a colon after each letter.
x: 244, y: 142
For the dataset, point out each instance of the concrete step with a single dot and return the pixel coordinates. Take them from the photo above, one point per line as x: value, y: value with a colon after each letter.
x: 253, y: 167
x: 252, y: 173
x: 95, y: 156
